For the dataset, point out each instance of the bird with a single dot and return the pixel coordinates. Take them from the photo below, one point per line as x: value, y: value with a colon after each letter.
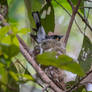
x: 55, y: 74
x: 48, y: 43
x: 40, y: 32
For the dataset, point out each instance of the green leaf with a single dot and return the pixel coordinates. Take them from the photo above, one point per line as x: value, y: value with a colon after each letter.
x: 48, y: 17
x: 9, y: 50
x: 80, y: 89
x: 8, y: 35
x: 1, y: 65
x: 27, y: 77
x: 3, y: 32
x: 5, y: 61
x: 4, y: 78
x: 64, y: 3
x: 47, y: 58
x: 63, y: 62
x: 84, y: 90
x: 69, y: 64
x: 24, y: 77
x: 85, y: 57
x: 14, y: 75
x: 36, y: 4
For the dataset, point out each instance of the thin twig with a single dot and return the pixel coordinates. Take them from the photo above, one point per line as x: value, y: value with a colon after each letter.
x: 75, y: 9
x: 62, y: 7
x: 83, y: 19
x: 71, y: 4
x: 86, y: 18
x: 79, y: 27
x: 79, y: 82
x: 85, y: 7
x: 45, y: 88
x: 69, y: 15
x: 41, y: 73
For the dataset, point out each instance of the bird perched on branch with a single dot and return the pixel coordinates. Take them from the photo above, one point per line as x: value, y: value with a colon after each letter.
x: 48, y: 43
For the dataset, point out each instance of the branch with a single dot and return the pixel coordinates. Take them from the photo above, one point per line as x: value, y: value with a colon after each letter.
x: 31, y: 60
x: 75, y: 9
x: 69, y: 15
x: 79, y: 82
x: 38, y: 82
x: 69, y: 1
x: 45, y: 88
x: 83, y: 19
x: 62, y: 7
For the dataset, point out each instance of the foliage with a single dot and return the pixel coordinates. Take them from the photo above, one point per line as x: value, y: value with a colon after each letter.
x: 62, y: 62
x: 13, y: 74
x: 48, y: 18
x: 85, y: 57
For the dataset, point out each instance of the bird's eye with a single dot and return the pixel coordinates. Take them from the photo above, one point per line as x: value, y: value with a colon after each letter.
x: 36, y: 47
x: 44, y: 43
